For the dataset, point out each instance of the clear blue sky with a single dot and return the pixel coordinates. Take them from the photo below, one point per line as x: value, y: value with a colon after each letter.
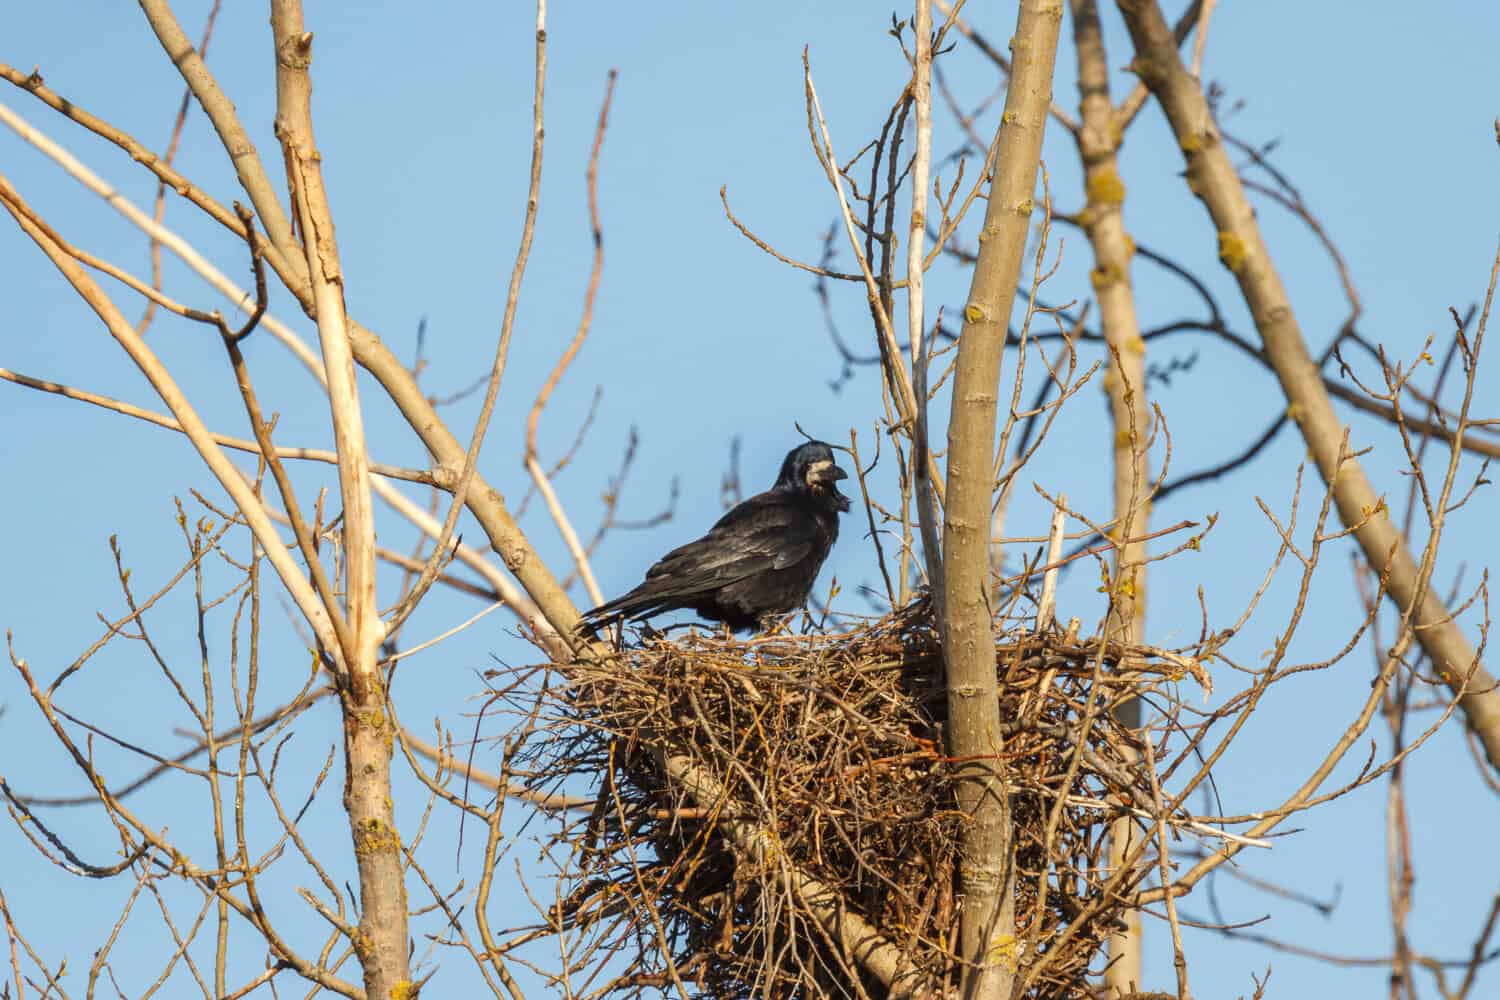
x: 1384, y: 114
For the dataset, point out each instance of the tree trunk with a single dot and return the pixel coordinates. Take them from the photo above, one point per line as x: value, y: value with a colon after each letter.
x: 1130, y: 418
x: 988, y: 944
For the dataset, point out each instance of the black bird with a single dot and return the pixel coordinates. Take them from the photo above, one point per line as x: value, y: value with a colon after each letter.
x: 758, y: 561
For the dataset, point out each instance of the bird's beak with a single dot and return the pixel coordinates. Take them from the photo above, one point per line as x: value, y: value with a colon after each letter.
x: 826, y: 474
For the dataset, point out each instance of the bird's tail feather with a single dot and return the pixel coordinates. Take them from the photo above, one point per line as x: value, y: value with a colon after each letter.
x: 630, y: 605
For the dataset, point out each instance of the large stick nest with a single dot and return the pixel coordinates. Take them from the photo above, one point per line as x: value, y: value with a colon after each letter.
x: 756, y: 797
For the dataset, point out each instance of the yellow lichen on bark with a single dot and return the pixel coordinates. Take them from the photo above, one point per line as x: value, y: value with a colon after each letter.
x: 373, y: 835
x: 1232, y: 251
x: 1105, y: 187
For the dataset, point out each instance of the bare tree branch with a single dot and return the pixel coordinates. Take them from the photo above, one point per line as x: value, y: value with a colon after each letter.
x: 1212, y: 177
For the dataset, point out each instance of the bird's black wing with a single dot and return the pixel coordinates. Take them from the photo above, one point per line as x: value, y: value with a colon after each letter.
x: 768, y: 531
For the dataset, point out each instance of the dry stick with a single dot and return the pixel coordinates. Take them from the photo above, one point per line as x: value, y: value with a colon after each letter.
x: 1200, y: 41
x: 135, y: 284
x: 746, y: 232
x: 987, y: 934
x: 533, y: 466
x: 1478, y: 955
x: 1398, y: 839
x: 382, y: 938
x: 1179, y: 960
x: 218, y: 463
x: 861, y: 471
x: 897, y: 377
x: 184, y: 940
x: 315, y: 218
x: 1428, y: 427
x: 159, y: 233
x: 442, y: 477
x: 1212, y: 177
x: 512, y: 597
x: 565, y: 528
x: 1396, y: 711
x: 1130, y: 416
x: 485, y: 503
x: 505, y: 536
x: 487, y: 506
x: 15, y: 958
x: 167, y: 765
x: 870, y: 949
x: 1117, y: 884
x: 502, y: 346
x: 160, y: 210
x: 237, y: 142
x: 1093, y: 703
x: 262, y: 429
x: 448, y: 762
x: 1041, y: 415
x: 921, y: 90
x: 1046, y: 610
x: 596, y: 230
x: 223, y: 440
x: 662, y: 944
x: 488, y: 866
x: 209, y: 882
x: 257, y: 982
x: 521, y: 605
x: 228, y: 476
x: 1305, y: 796
x: 32, y: 83
x: 446, y: 633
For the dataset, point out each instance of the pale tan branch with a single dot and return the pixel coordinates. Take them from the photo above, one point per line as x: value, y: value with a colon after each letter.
x: 897, y: 377
x: 166, y: 237
x: 516, y: 599
x: 288, y: 257
x: 1212, y: 176
x: 33, y: 84
x: 565, y: 528
x: 916, y: 324
x: 192, y: 425
x: 382, y: 935
x: 315, y: 218
x: 224, y: 440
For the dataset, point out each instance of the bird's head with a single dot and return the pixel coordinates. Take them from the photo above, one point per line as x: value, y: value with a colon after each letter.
x: 810, y: 468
